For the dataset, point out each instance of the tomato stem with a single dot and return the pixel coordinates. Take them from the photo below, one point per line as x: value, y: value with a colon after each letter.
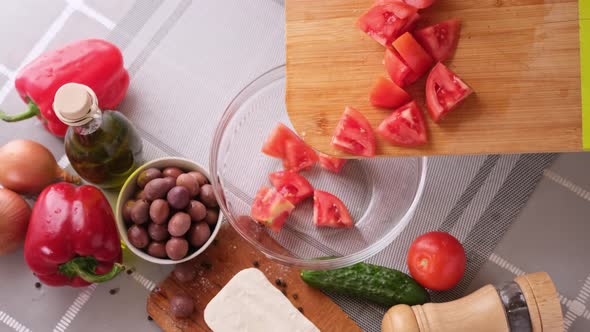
x: 424, y: 262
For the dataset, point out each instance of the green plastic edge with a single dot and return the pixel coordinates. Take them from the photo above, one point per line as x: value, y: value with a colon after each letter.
x: 584, y: 13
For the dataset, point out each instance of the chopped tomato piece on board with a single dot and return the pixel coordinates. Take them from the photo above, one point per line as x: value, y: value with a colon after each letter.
x: 387, y: 20
x: 411, y: 23
x: 271, y: 209
x: 411, y: 20
x: 294, y: 187
x: 405, y: 126
x: 284, y: 144
x: 444, y: 91
x: 420, y: 4
x: 354, y: 134
x: 413, y: 54
x: 440, y: 40
x: 387, y: 94
x: 330, y: 163
x: 329, y: 211
x: 398, y: 70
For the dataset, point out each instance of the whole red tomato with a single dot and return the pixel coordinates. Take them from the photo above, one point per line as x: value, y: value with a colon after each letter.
x: 437, y: 260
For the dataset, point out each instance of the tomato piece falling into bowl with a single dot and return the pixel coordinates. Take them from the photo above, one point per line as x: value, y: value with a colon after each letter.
x: 330, y: 211
x: 284, y: 144
x: 444, y: 91
x: 271, y: 209
x: 294, y: 187
x: 354, y: 134
x: 332, y: 164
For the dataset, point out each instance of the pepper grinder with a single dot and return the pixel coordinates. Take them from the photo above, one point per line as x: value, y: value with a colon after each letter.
x: 529, y: 303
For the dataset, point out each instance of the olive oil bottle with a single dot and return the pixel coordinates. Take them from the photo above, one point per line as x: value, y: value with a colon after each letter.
x: 102, y: 146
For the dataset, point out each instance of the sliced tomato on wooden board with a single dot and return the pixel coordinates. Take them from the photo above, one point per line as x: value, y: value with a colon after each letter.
x: 444, y: 91
x: 387, y: 94
x: 283, y: 143
x: 330, y: 163
x: 411, y: 22
x: 271, y: 209
x: 329, y: 211
x: 413, y: 54
x: 294, y: 187
x: 398, y: 70
x: 405, y: 126
x: 354, y: 134
x: 420, y: 4
x: 440, y: 40
x: 386, y: 20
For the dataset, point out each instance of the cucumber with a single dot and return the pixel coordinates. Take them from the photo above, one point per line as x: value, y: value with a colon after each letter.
x: 378, y: 284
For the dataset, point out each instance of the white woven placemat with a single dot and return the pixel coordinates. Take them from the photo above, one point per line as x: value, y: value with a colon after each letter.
x: 187, y: 59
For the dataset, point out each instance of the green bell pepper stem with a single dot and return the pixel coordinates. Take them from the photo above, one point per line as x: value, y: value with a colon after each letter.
x: 32, y: 111
x: 85, y: 266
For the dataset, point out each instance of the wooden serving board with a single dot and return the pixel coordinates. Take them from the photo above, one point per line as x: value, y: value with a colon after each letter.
x: 218, y: 264
x: 521, y: 57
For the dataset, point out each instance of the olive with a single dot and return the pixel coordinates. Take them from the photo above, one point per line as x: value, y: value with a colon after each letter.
x: 127, y: 210
x: 198, y: 234
x: 177, y: 248
x: 196, y: 210
x: 179, y: 224
x: 181, y: 306
x: 172, y: 171
x: 138, y: 236
x: 159, y: 211
x: 185, y: 271
x: 201, y: 179
x: 190, y: 183
x: 139, y: 212
x: 158, y: 232
x: 147, y: 176
x: 140, y: 195
x: 157, y: 188
x: 170, y: 182
x: 157, y: 249
x: 178, y: 197
x: 212, y: 217
x: 207, y: 196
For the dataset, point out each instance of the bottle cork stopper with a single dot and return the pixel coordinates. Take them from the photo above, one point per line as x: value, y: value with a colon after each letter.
x: 73, y: 104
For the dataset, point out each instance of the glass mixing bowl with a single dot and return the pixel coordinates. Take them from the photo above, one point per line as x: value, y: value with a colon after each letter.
x: 381, y: 194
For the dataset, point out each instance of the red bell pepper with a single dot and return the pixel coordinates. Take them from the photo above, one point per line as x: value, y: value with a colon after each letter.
x: 72, y: 237
x: 92, y: 62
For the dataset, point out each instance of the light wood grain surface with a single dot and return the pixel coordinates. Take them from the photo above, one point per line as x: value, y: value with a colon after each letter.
x: 218, y: 264
x: 520, y: 56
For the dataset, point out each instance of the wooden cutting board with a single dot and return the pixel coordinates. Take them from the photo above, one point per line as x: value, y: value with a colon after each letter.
x: 521, y: 57
x: 218, y: 264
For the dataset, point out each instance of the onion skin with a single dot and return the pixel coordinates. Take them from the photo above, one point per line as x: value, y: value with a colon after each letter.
x: 28, y: 167
x: 14, y: 219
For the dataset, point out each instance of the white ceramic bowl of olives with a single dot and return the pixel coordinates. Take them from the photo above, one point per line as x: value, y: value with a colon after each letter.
x: 167, y: 212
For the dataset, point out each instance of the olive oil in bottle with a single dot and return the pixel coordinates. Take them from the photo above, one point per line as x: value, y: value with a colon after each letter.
x: 102, y: 146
